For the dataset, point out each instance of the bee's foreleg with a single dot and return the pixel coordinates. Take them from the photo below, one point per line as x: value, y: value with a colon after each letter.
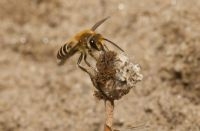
x: 105, y: 48
x: 92, y: 55
x: 79, y: 63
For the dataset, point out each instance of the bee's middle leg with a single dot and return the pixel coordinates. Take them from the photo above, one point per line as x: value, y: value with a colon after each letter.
x: 85, y: 59
x: 79, y: 63
x: 104, y: 48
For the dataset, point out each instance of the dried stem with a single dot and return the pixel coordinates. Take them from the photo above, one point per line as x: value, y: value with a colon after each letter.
x: 109, y: 109
x: 113, y: 78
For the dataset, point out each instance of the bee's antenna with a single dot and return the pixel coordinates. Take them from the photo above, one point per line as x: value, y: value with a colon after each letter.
x: 113, y: 44
x: 99, y: 23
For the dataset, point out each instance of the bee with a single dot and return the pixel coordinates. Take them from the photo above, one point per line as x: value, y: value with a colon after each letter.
x: 85, y: 42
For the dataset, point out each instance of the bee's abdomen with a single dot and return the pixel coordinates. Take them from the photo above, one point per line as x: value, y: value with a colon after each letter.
x: 62, y: 53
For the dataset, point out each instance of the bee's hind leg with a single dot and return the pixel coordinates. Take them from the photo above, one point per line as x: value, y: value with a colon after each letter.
x: 79, y: 63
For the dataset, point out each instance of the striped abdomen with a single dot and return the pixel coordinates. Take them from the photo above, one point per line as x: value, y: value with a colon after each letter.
x: 65, y: 52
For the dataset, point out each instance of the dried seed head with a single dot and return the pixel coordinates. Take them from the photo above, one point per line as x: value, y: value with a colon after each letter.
x: 115, y: 75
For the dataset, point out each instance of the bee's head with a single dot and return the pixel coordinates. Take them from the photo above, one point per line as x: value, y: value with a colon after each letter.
x: 95, y: 42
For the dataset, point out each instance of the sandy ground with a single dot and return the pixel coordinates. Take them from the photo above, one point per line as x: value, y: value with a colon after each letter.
x: 163, y: 36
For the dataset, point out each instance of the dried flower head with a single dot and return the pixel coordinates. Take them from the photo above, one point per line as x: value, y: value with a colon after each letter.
x: 114, y: 76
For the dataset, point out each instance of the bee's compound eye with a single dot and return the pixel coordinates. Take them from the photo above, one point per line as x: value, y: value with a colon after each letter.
x: 92, y: 42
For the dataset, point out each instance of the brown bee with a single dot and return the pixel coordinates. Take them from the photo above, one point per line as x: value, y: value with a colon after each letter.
x: 85, y: 42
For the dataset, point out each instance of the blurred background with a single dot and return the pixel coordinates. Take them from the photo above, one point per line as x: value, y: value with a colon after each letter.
x: 163, y: 36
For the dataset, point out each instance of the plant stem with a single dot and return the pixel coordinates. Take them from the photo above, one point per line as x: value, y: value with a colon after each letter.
x: 109, y: 109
